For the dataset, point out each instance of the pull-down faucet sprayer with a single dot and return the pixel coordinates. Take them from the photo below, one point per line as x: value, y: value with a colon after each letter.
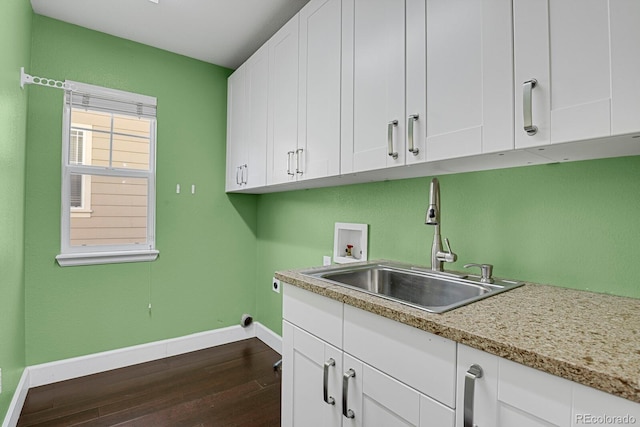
x: 438, y: 257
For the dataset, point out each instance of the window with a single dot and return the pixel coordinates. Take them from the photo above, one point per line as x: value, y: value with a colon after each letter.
x: 108, y: 177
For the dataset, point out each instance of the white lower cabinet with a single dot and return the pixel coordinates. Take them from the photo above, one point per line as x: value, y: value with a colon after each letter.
x: 509, y: 394
x: 305, y: 357
x: 360, y: 392
x: 343, y: 366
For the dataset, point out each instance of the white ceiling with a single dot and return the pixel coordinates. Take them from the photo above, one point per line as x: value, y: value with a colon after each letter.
x: 222, y: 32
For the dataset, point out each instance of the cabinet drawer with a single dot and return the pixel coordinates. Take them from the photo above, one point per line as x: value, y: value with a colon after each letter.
x: 315, y: 314
x: 422, y: 360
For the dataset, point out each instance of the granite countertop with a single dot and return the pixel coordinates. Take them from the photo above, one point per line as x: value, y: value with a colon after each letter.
x: 586, y: 337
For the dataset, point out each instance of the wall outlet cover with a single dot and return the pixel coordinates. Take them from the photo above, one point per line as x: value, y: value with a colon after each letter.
x: 275, y: 285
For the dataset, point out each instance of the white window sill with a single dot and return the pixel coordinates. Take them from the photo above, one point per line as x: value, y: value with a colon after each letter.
x: 91, y: 258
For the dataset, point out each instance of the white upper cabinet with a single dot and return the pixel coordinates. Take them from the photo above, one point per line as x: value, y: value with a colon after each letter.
x: 319, y: 89
x: 236, y: 149
x: 456, y: 57
x: 257, y: 80
x: 625, y: 66
x: 377, y: 31
x: 357, y: 89
x: 247, y: 123
x: 469, y: 80
x: 576, y: 70
x: 283, y: 159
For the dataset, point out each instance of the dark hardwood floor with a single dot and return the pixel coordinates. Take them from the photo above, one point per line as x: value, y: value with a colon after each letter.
x: 229, y: 385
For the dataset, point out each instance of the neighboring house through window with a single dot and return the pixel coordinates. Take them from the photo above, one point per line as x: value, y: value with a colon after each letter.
x: 80, y: 154
x: 108, y: 177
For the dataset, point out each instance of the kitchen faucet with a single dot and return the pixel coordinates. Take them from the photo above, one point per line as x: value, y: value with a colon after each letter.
x: 438, y: 257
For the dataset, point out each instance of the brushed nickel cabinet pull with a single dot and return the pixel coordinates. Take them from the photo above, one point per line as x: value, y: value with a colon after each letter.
x: 527, y: 106
x: 289, y: 154
x: 390, y: 127
x: 412, y: 119
x: 325, y: 383
x: 474, y: 372
x: 348, y: 413
x: 298, y: 154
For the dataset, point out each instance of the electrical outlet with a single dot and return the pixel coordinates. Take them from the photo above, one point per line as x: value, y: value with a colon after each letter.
x: 326, y: 260
x: 275, y: 285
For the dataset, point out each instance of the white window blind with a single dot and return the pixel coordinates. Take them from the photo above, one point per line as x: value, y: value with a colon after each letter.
x: 102, y: 99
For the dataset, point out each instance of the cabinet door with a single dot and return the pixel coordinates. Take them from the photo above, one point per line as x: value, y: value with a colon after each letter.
x: 283, y: 104
x: 236, y: 115
x: 565, y: 46
x: 319, y: 72
x: 625, y: 66
x: 378, y: 31
x: 303, y: 360
x: 378, y: 400
x: 257, y: 79
x: 469, y: 78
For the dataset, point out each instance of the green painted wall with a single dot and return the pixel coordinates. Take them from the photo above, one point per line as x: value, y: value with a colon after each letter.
x: 204, y: 277
x: 571, y: 225
x: 15, y: 45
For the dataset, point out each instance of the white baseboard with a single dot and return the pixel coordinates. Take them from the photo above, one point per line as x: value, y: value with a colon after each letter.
x: 20, y: 395
x: 269, y: 337
x: 67, y: 369
x: 62, y: 370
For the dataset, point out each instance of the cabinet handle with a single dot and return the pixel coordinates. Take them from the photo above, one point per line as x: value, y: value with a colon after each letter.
x: 527, y: 101
x: 412, y: 119
x: 474, y: 372
x: 325, y: 383
x: 345, y: 391
x: 243, y: 178
x: 237, y: 175
x: 289, y: 154
x: 298, y: 153
x: 390, y: 127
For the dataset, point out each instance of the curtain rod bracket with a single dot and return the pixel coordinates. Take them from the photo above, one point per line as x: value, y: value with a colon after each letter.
x: 42, y: 81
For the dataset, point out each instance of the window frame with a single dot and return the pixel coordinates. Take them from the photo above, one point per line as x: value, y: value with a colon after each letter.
x: 106, y: 254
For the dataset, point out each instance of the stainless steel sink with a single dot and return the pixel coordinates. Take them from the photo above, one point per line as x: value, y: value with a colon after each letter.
x: 434, y: 292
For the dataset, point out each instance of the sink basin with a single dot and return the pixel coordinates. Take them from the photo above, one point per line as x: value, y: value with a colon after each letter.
x: 430, y: 291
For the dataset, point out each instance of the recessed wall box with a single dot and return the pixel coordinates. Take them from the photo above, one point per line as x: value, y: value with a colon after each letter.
x: 350, y: 242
